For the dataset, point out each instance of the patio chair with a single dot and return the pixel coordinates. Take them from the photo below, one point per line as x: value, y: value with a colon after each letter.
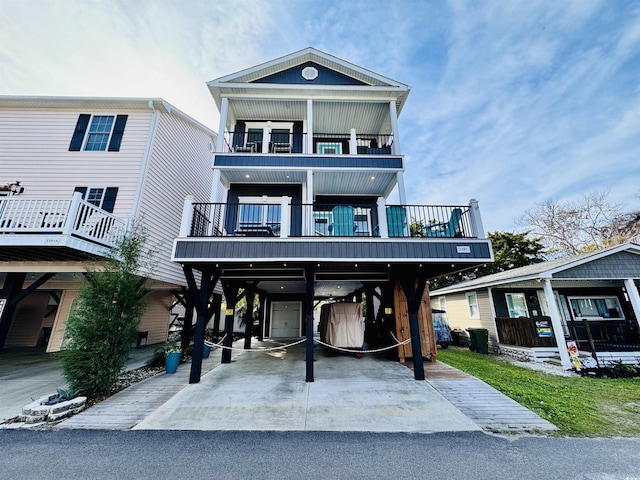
x: 447, y: 229
x: 396, y: 220
x: 343, y: 224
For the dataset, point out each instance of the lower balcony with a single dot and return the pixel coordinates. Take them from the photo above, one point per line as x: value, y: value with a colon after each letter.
x: 55, y: 228
x: 271, y: 230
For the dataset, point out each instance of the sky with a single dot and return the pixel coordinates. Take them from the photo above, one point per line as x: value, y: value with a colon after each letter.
x: 512, y: 102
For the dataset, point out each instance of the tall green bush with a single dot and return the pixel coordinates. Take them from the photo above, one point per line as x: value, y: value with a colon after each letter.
x: 104, y: 322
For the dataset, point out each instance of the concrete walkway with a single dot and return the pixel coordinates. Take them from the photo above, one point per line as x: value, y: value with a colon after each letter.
x: 267, y: 391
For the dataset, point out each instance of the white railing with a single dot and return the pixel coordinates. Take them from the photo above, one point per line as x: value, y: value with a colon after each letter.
x: 68, y: 216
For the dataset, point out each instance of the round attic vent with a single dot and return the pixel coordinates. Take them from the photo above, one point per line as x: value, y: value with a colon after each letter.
x: 309, y: 73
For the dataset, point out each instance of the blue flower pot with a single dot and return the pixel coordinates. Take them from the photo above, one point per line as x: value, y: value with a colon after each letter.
x: 172, y: 361
x: 206, y: 351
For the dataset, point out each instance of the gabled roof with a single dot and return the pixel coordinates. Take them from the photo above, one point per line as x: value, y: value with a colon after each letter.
x: 363, y: 79
x: 542, y: 270
x: 94, y: 103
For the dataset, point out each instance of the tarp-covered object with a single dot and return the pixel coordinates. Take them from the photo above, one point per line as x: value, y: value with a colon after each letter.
x: 341, y: 325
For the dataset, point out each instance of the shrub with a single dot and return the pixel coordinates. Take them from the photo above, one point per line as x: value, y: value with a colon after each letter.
x: 104, y: 322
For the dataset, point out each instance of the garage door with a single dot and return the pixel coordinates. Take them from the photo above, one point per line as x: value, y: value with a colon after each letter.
x: 285, y: 319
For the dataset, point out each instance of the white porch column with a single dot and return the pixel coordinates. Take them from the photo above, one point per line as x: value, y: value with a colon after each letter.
x: 224, y: 109
x: 353, y: 143
x: 634, y: 297
x: 285, y: 217
x: 401, y: 193
x: 382, y: 218
x: 213, y: 198
x: 266, y: 136
x: 307, y: 210
x: 395, y: 148
x: 476, y: 219
x: 556, y: 322
x: 187, y: 216
x: 309, y: 126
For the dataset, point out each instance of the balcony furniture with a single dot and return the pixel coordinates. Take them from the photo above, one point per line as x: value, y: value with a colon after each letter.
x: 250, y: 147
x: 448, y: 229
x: 343, y: 221
x: 254, y: 230
x: 280, y: 148
x: 396, y: 220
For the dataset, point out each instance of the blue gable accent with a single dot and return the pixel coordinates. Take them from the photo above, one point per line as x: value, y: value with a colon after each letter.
x: 347, y: 161
x: 326, y: 76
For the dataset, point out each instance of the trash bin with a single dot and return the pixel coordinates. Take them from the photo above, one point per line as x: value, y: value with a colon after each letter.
x: 479, y: 338
x: 460, y: 338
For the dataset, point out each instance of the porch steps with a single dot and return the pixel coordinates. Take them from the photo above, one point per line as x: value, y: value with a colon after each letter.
x: 487, y: 407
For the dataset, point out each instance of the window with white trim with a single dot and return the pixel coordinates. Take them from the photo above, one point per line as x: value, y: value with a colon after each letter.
x: 98, y: 133
x: 517, y: 305
x: 472, y: 304
x: 596, y: 308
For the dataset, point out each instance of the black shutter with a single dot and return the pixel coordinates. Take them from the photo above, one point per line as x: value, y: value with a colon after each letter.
x: 238, y: 134
x: 78, y: 134
x: 109, y: 200
x: 118, y: 131
x: 82, y: 190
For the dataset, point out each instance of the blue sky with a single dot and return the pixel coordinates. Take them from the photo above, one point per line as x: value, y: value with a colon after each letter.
x: 512, y: 102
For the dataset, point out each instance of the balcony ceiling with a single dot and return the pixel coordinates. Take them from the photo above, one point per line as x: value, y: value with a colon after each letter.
x: 324, y: 182
x: 328, y: 117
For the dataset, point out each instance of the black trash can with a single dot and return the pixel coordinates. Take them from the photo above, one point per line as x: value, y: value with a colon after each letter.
x: 479, y: 338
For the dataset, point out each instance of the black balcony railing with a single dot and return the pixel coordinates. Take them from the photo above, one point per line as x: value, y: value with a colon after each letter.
x: 276, y: 219
x: 280, y: 142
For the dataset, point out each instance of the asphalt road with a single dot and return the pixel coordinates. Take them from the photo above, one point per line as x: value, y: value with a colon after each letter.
x: 79, y: 454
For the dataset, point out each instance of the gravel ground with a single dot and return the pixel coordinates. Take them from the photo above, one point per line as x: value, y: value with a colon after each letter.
x: 542, y: 367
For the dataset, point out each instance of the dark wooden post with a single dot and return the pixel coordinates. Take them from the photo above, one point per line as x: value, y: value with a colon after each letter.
x: 12, y: 293
x: 216, y: 305
x: 369, y: 318
x: 309, y: 274
x: 200, y: 299
x: 262, y: 299
x: 249, y: 296
x: 231, y: 295
x: 414, y: 290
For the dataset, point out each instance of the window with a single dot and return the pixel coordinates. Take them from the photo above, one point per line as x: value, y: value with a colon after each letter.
x: 517, y: 305
x: 98, y: 133
x: 472, y: 303
x: 562, y: 308
x: 329, y: 148
x: 262, y: 214
x: 596, y: 308
x: 443, y: 303
x: 101, y: 197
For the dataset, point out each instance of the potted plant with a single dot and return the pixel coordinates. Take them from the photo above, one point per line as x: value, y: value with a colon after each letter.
x: 208, y: 337
x: 172, y: 353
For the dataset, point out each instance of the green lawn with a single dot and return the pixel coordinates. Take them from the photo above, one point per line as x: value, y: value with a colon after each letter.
x: 578, y: 406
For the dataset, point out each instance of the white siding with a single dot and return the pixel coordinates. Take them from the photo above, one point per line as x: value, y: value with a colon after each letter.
x: 34, y: 150
x: 179, y: 164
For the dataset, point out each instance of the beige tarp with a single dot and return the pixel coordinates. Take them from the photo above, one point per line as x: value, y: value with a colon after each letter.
x: 341, y: 325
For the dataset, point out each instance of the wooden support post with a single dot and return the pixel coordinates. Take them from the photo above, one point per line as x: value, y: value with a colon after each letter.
x: 309, y: 276
x: 248, y: 317
x: 200, y: 299
x: 262, y: 300
x: 216, y: 306
x: 414, y: 290
x: 231, y: 295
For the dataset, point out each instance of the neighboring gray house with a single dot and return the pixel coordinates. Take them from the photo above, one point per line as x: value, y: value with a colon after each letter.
x: 596, y: 305
x: 85, y: 168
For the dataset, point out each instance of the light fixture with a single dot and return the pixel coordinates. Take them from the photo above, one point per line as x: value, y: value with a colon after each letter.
x: 246, y: 175
x: 373, y: 177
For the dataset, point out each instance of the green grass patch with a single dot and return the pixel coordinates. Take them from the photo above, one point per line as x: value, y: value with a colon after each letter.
x: 578, y: 406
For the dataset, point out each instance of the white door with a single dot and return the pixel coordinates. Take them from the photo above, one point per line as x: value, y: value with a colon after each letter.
x: 285, y: 319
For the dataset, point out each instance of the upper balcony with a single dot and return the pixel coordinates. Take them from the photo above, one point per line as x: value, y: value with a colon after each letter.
x: 55, y: 228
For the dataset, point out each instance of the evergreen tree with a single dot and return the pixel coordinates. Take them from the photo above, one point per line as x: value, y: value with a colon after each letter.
x: 104, y: 322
